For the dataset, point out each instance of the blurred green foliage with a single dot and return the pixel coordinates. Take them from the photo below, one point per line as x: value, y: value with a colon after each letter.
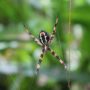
x: 19, y: 54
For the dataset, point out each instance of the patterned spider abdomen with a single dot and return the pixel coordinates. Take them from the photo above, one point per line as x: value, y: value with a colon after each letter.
x: 44, y: 37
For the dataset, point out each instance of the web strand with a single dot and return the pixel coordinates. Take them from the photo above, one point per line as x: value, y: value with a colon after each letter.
x: 69, y: 31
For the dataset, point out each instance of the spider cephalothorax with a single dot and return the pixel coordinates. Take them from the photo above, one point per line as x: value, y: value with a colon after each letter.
x: 44, y: 41
x: 44, y: 38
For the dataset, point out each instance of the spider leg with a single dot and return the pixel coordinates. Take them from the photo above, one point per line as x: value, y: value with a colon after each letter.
x: 57, y: 57
x: 54, y: 30
x: 32, y: 36
x: 40, y: 61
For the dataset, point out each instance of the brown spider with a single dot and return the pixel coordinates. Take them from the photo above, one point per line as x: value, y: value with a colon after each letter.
x: 44, y: 41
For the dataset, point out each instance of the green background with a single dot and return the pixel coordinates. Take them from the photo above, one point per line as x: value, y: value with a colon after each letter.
x: 19, y: 54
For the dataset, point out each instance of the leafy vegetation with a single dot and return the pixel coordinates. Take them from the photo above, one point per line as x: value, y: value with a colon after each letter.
x: 19, y: 53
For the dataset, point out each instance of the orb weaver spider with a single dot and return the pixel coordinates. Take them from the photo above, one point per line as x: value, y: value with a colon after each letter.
x: 44, y: 41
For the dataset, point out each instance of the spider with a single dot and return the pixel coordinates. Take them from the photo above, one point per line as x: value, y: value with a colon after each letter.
x: 44, y: 41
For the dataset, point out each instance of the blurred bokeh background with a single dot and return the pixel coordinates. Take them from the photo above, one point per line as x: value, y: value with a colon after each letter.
x: 19, y: 53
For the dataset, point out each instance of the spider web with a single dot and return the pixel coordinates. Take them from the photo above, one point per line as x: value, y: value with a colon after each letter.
x: 53, y: 45
x: 69, y: 30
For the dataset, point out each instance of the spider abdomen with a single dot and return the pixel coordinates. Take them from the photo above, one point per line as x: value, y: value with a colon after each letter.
x: 44, y: 37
